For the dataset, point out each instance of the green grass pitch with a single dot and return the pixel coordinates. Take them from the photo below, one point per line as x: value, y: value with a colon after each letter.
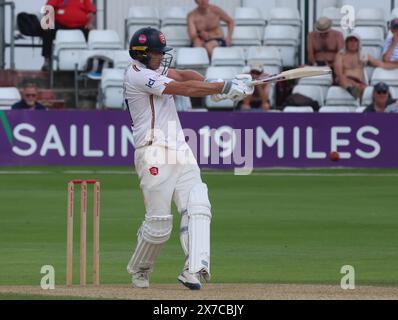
x: 275, y: 226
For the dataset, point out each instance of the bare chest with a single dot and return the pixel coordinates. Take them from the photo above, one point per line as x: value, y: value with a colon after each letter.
x: 207, y: 22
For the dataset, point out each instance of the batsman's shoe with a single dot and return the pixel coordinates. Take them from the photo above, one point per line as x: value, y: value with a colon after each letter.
x: 140, y: 280
x: 190, y: 280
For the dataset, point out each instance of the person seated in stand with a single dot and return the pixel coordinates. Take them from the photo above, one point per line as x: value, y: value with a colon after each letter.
x: 382, y: 100
x: 324, y: 43
x: 204, y: 27
x: 390, y: 50
x: 260, y: 97
x: 29, y: 99
x: 69, y: 14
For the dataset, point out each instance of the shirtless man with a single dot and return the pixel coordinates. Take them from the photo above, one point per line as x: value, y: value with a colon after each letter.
x: 204, y: 26
x: 350, y: 67
x: 324, y: 43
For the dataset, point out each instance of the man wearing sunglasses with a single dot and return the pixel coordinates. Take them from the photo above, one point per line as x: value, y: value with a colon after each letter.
x: 29, y: 99
x: 382, y: 100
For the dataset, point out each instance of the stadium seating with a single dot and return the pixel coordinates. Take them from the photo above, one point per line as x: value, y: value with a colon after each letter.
x: 338, y: 96
x: 295, y: 109
x: 285, y: 38
x: 68, y: 45
x: 104, y: 40
x: 372, y: 39
x: 246, y: 36
x: 8, y: 96
x: 177, y: 36
x: 228, y: 56
x: 269, y: 56
x: 285, y: 16
x: 360, y: 109
x: 312, y: 92
x: 394, y: 13
x: 333, y: 14
x: 388, y: 76
x: 193, y: 58
x: 337, y: 109
x: 246, y: 16
x: 183, y: 103
x: 375, y: 17
x: 121, y: 58
x: 174, y: 16
x: 324, y: 82
x: 112, y: 88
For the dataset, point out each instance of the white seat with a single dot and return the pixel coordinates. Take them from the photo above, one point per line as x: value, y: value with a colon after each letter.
x: 143, y: 15
x: 104, y: 39
x: 195, y: 58
x: 360, y: 109
x: 228, y: 56
x: 265, y: 55
x: 248, y: 16
x: 112, y: 88
x: 337, y: 109
x: 312, y: 92
x: 285, y: 38
x: 388, y: 76
x: 394, y: 13
x: 86, y: 54
x: 298, y: 109
x: 121, y: 59
x: 371, y: 17
x: 333, y: 14
x: 285, y: 16
x: 370, y: 35
x: 246, y: 36
x: 337, y: 96
x: 174, y: 16
x: 8, y: 96
x: 176, y: 36
x: 281, y: 35
x: 183, y: 103
x: 67, y: 47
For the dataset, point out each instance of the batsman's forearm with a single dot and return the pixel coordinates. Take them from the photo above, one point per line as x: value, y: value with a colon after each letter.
x: 192, y: 75
x: 194, y: 88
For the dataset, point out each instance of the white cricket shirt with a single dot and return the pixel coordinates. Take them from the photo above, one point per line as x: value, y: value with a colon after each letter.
x: 154, y: 115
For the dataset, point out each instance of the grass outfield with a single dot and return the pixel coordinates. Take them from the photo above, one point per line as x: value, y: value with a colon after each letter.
x: 275, y: 226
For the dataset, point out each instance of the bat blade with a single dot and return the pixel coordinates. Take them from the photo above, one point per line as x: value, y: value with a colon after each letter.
x: 293, y: 74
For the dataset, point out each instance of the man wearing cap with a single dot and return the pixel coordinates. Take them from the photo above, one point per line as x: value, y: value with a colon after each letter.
x: 350, y: 66
x: 382, y: 100
x: 324, y: 43
x: 260, y: 97
x: 390, y: 51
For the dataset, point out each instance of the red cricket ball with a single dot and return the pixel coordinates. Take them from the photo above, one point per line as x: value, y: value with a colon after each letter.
x: 334, y: 156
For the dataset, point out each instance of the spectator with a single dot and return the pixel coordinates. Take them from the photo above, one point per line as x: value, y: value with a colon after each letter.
x: 260, y: 97
x: 350, y: 66
x: 29, y: 99
x: 390, y: 51
x: 382, y: 100
x: 324, y: 43
x: 69, y: 14
x: 204, y: 26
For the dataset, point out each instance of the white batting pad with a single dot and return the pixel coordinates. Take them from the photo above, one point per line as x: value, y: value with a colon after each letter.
x: 199, y: 229
x: 152, y: 235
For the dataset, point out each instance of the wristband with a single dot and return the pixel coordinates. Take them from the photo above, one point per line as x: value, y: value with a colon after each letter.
x: 227, y: 87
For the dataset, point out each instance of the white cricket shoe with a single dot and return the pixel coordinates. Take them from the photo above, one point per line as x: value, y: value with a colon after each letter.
x: 190, y: 280
x: 140, y: 280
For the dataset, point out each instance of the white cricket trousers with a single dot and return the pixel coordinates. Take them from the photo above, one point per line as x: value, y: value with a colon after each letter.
x: 166, y: 175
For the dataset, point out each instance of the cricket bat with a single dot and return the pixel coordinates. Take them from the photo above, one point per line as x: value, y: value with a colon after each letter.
x: 293, y: 74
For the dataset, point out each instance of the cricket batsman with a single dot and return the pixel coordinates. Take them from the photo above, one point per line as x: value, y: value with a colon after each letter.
x: 149, y: 86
